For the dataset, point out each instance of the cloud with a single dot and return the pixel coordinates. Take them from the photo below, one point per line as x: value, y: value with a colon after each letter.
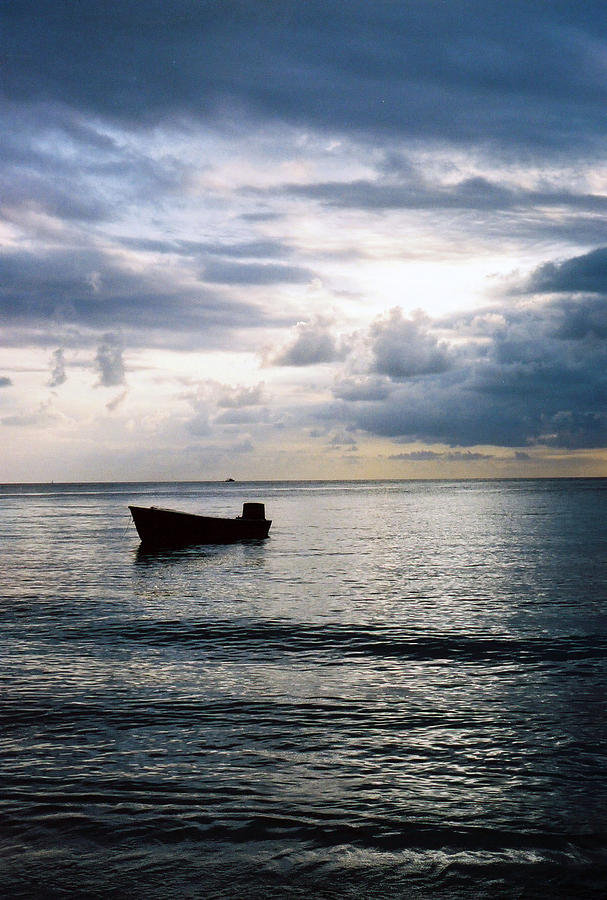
x: 178, y: 174
x: 582, y: 318
x: 5, y: 381
x: 433, y: 456
x: 60, y: 167
x: 217, y: 404
x: 417, y: 192
x: 58, y: 375
x: 111, y: 405
x: 252, y: 249
x: 405, y: 348
x: 261, y: 216
x: 221, y: 454
x: 42, y: 417
x: 417, y: 456
x: 241, y: 447
x: 468, y: 73
x: 311, y: 344
x: 222, y: 272
x: 51, y: 291
x: 584, y: 274
x: 109, y: 361
x: 361, y: 387
x: 36, y: 193
x: 446, y: 412
x: 538, y: 376
x: 343, y: 440
x: 248, y: 416
x: 200, y: 424
x: 575, y: 429
x: 237, y: 397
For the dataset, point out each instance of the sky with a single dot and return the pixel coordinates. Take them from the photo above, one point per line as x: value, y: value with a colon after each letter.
x: 302, y: 239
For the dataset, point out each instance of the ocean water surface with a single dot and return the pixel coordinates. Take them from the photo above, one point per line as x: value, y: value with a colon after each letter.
x: 401, y: 693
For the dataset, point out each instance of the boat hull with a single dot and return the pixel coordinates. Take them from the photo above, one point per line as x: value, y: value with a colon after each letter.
x: 169, y: 528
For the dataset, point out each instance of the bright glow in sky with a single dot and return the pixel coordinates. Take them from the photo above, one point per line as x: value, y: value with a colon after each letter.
x: 350, y: 240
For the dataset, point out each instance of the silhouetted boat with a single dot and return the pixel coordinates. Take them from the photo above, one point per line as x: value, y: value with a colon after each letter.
x: 159, y: 527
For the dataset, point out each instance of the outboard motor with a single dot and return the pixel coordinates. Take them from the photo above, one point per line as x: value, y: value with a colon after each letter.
x: 253, y: 511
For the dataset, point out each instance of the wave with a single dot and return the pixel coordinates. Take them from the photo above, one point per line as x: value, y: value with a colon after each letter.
x: 272, y: 638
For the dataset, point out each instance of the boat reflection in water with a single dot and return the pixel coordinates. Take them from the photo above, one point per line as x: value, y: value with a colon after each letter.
x: 162, y: 528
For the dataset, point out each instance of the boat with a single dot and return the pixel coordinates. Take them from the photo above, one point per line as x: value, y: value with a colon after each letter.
x: 158, y: 527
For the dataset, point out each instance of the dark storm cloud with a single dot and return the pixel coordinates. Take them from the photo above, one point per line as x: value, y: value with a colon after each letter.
x: 447, y: 412
x: 44, y: 292
x: 584, y: 274
x: 517, y: 73
x: 537, y: 375
x: 582, y: 318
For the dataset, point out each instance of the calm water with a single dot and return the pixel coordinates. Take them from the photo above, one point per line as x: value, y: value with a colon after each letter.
x: 402, y: 693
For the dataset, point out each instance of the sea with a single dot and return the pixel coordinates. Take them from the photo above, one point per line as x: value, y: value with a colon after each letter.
x: 400, y: 694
